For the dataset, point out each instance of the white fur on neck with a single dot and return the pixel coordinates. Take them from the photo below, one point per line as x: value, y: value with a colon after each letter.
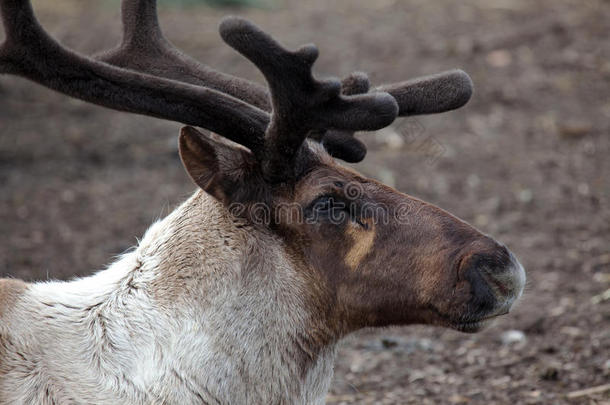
x: 184, y: 318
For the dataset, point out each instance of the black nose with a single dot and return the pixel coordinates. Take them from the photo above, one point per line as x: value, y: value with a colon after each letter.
x: 494, y: 262
x: 495, y: 276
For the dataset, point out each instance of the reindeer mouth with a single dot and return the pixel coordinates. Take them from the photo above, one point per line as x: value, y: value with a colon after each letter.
x: 473, y: 326
x: 470, y: 324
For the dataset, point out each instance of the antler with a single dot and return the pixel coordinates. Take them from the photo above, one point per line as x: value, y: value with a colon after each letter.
x: 301, y: 103
x: 343, y: 143
x: 431, y: 94
x: 30, y: 52
x: 145, y: 49
x: 152, y: 77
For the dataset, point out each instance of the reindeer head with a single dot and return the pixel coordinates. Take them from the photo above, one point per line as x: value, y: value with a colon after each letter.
x: 373, y: 255
x: 378, y: 257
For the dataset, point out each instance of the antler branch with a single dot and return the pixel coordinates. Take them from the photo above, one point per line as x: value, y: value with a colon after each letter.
x: 431, y: 94
x: 152, y: 77
x: 30, y: 52
x: 300, y: 102
x: 339, y: 143
x: 145, y: 49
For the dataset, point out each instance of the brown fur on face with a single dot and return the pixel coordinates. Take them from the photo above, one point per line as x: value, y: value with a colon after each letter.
x: 374, y: 255
x: 363, y: 243
x: 394, y: 259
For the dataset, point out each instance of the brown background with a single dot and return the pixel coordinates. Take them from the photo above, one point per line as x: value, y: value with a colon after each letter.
x: 526, y: 161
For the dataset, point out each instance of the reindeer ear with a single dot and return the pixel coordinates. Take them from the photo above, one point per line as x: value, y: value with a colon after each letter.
x: 213, y: 164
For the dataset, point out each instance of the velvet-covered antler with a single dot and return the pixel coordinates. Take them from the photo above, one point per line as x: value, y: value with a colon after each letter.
x: 431, y: 94
x: 343, y: 143
x: 145, y: 49
x: 301, y: 103
x: 155, y: 78
x: 30, y: 52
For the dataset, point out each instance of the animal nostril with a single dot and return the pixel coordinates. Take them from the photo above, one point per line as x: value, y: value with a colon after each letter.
x: 494, y: 271
x: 490, y: 264
x: 495, y: 261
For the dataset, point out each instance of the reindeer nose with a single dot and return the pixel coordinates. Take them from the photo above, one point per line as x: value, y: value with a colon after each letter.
x: 496, y: 277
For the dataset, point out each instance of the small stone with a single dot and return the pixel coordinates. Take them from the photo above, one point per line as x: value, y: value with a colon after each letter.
x: 526, y: 195
x: 603, y: 297
x: 583, y: 189
x: 574, y: 129
x: 571, y: 331
x: 499, y: 58
x: 458, y: 399
x: 535, y: 394
x: 473, y: 181
x: 512, y: 336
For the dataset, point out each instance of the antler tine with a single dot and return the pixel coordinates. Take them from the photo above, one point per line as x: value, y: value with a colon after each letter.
x: 436, y: 93
x: 300, y: 102
x: 30, y: 52
x: 145, y: 49
x: 342, y: 144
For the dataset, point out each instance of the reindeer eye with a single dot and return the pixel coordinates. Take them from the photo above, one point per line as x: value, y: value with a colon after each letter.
x: 324, y: 204
x: 328, y: 208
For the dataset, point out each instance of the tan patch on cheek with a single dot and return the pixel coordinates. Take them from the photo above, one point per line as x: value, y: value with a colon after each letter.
x: 364, y: 239
x: 10, y: 290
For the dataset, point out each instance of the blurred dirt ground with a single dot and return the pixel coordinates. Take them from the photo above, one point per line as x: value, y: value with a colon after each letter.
x: 527, y: 160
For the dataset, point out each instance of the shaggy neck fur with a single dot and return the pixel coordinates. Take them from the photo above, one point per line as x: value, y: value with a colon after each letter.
x: 204, y: 310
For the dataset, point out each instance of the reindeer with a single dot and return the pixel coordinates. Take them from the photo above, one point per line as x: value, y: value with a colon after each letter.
x: 220, y: 304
